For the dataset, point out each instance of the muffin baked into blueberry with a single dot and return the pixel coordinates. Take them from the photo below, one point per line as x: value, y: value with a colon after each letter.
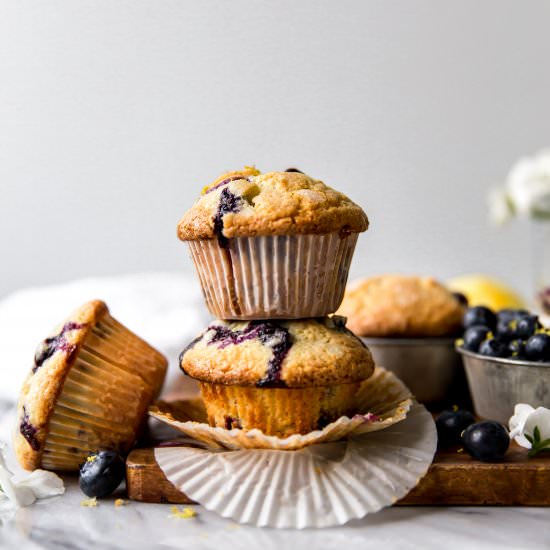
x: 89, y: 388
x: 273, y: 245
x: 282, y: 377
x: 406, y: 306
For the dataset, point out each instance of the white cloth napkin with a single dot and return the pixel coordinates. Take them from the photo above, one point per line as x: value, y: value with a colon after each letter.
x: 165, y: 309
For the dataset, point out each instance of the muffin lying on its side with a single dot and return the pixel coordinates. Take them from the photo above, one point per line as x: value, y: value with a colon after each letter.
x: 282, y: 377
x: 89, y: 388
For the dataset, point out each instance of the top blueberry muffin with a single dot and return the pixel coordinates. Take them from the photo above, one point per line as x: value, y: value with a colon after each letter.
x: 247, y: 203
x: 397, y: 305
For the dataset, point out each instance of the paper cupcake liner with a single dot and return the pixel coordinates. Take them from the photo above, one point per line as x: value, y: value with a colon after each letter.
x: 320, y: 486
x: 104, y: 397
x: 382, y: 400
x: 274, y: 276
x: 277, y: 411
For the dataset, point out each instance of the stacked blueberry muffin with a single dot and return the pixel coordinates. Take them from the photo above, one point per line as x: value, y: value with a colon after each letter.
x: 272, y: 252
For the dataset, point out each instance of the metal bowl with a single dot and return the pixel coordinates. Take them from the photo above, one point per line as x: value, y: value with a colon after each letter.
x: 498, y: 384
x: 429, y: 367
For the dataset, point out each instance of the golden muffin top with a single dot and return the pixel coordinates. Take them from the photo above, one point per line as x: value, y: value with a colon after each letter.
x: 247, y: 203
x: 398, y: 305
x: 287, y: 354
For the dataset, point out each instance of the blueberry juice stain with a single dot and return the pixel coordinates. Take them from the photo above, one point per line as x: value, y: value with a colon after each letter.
x: 55, y: 343
x: 270, y: 334
x: 28, y: 431
x: 229, y: 203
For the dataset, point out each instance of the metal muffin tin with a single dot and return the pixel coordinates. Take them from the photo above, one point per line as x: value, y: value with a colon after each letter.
x: 427, y: 366
x: 498, y: 384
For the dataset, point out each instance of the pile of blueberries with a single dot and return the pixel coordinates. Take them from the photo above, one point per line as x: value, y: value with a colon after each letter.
x: 509, y: 333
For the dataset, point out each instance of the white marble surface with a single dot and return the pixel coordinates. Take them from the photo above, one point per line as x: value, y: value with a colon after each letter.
x: 61, y: 523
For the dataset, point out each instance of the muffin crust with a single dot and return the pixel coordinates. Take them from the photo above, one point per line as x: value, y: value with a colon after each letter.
x: 397, y: 305
x: 284, y: 354
x: 246, y: 204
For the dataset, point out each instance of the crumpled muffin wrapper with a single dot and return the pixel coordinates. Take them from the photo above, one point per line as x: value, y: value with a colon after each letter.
x: 318, y: 486
x: 274, y: 276
x: 382, y: 400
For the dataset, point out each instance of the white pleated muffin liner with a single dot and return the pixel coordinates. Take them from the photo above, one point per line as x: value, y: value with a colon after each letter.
x: 274, y: 276
x: 382, y: 400
x: 318, y: 486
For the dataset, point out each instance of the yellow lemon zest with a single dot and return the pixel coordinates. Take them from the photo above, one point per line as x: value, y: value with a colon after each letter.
x: 184, y: 513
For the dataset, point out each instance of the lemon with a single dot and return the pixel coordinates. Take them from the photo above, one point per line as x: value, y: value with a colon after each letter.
x: 484, y: 290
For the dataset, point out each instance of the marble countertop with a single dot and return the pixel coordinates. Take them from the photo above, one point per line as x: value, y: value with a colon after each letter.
x: 62, y: 523
x: 168, y: 316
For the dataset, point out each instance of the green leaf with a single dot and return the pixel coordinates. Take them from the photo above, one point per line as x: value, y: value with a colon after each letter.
x: 529, y: 438
x: 536, y: 434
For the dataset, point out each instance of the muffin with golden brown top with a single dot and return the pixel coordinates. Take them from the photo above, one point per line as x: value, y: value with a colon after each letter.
x: 409, y: 323
x: 282, y: 377
x: 397, y: 305
x: 89, y: 388
x: 283, y: 232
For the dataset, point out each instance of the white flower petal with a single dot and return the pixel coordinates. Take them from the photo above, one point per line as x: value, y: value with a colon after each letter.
x: 517, y: 421
x: 500, y: 206
x: 540, y: 418
x: 43, y: 484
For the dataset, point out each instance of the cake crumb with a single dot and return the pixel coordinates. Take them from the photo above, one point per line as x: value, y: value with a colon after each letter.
x: 184, y: 513
x: 461, y: 450
x: 120, y: 502
x: 89, y: 502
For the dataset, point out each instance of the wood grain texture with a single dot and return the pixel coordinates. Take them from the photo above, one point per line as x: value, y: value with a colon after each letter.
x: 453, y: 479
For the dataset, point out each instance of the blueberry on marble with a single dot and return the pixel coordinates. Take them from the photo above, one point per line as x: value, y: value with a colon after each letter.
x: 101, y: 473
x: 487, y: 440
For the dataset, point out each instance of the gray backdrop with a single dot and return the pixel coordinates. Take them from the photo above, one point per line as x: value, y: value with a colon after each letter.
x: 114, y: 114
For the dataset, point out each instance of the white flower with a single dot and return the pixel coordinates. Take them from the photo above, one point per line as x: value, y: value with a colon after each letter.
x: 530, y: 427
x: 501, y: 208
x: 528, y: 186
x: 39, y: 484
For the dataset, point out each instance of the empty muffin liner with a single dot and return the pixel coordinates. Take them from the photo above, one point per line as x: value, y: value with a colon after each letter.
x: 105, y: 396
x: 274, y: 276
x: 382, y: 400
x: 317, y: 486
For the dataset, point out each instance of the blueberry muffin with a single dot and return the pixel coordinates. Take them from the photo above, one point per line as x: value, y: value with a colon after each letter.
x: 282, y: 377
x: 402, y: 306
x: 89, y: 388
x: 274, y: 245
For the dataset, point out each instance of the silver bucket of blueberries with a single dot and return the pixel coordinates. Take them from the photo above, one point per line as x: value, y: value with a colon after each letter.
x: 507, y: 361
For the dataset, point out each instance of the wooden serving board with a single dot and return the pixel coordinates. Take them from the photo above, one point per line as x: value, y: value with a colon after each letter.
x: 453, y: 479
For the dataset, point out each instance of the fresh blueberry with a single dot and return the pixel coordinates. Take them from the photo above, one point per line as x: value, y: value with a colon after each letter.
x: 101, y: 474
x: 537, y: 348
x: 516, y: 349
x: 487, y: 440
x: 494, y: 348
x: 511, y: 314
x: 506, y: 330
x: 450, y: 424
x: 474, y: 336
x: 460, y: 298
x: 527, y: 326
x: 479, y: 315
